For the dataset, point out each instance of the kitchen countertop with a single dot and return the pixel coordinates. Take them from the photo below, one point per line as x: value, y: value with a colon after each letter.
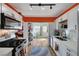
x: 5, y: 51
x: 69, y: 43
x: 3, y: 38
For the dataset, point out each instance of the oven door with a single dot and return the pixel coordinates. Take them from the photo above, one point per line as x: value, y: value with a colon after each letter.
x: 21, y: 51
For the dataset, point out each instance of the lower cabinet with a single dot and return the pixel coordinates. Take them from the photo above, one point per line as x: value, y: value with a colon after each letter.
x: 8, y: 54
x: 70, y: 52
x: 66, y: 51
x: 62, y: 50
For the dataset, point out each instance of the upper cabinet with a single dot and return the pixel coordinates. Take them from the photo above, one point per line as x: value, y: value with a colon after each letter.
x: 10, y: 19
x: 72, y: 18
x: 62, y: 22
x: 0, y: 15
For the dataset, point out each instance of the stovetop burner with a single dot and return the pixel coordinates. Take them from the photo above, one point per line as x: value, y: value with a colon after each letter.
x: 11, y: 43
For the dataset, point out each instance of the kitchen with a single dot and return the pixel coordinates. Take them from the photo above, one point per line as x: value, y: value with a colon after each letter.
x: 16, y: 29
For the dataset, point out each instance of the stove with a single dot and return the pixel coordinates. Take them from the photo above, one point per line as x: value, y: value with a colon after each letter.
x: 11, y: 43
x: 17, y: 44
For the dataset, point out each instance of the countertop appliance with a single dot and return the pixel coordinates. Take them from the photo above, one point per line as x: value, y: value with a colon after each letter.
x: 16, y: 44
x: 63, y: 35
x: 57, y: 32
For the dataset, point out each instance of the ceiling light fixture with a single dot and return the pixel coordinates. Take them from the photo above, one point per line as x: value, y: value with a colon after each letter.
x: 41, y: 5
x: 50, y: 7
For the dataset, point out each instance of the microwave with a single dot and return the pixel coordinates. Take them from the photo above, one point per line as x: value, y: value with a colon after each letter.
x: 7, y: 22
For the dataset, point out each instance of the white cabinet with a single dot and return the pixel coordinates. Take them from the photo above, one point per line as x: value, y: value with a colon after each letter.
x: 9, y: 54
x: 61, y: 19
x: 72, y: 18
x: 66, y: 51
x: 72, y: 23
x: 69, y: 52
x: 8, y: 11
x: 14, y: 15
x: 62, y: 50
x: 6, y: 51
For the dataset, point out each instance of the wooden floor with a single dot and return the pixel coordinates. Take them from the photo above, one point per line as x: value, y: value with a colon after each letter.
x: 39, y: 47
x: 42, y: 42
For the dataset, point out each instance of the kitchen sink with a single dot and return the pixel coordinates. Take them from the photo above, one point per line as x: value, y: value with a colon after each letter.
x: 60, y: 38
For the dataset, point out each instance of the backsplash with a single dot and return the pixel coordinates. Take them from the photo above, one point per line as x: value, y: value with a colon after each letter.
x: 6, y: 34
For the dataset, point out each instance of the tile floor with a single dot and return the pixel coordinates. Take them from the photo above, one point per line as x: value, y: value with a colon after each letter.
x: 39, y: 47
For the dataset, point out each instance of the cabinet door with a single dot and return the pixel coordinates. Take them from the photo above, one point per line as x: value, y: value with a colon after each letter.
x: 66, y: 51
x: 70, y: 52
x: 72, y: 23
x: 62, y: 50
x: 9, y: 54
x: 72, y: 19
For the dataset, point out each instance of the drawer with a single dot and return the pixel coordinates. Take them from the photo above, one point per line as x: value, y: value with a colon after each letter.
x: 70, y: 52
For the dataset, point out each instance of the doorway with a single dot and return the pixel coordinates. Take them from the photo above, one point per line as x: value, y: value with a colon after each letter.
x: 40, y: 34
x: 40, y: 30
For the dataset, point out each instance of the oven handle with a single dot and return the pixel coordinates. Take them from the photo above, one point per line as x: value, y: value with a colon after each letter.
x: 19, y: 46
x: 25, y: 42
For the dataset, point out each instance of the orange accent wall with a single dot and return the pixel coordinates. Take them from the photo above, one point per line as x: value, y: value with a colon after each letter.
x: 39, y: 19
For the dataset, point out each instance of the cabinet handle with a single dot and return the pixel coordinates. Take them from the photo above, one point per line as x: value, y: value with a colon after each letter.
x: 19, y: 46
x: 75, y: 27
x: 25, y: 42
x: 68, y: 54
x: 68, y: 50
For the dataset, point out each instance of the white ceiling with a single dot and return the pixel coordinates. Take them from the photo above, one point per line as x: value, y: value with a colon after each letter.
x: 37, y: 11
